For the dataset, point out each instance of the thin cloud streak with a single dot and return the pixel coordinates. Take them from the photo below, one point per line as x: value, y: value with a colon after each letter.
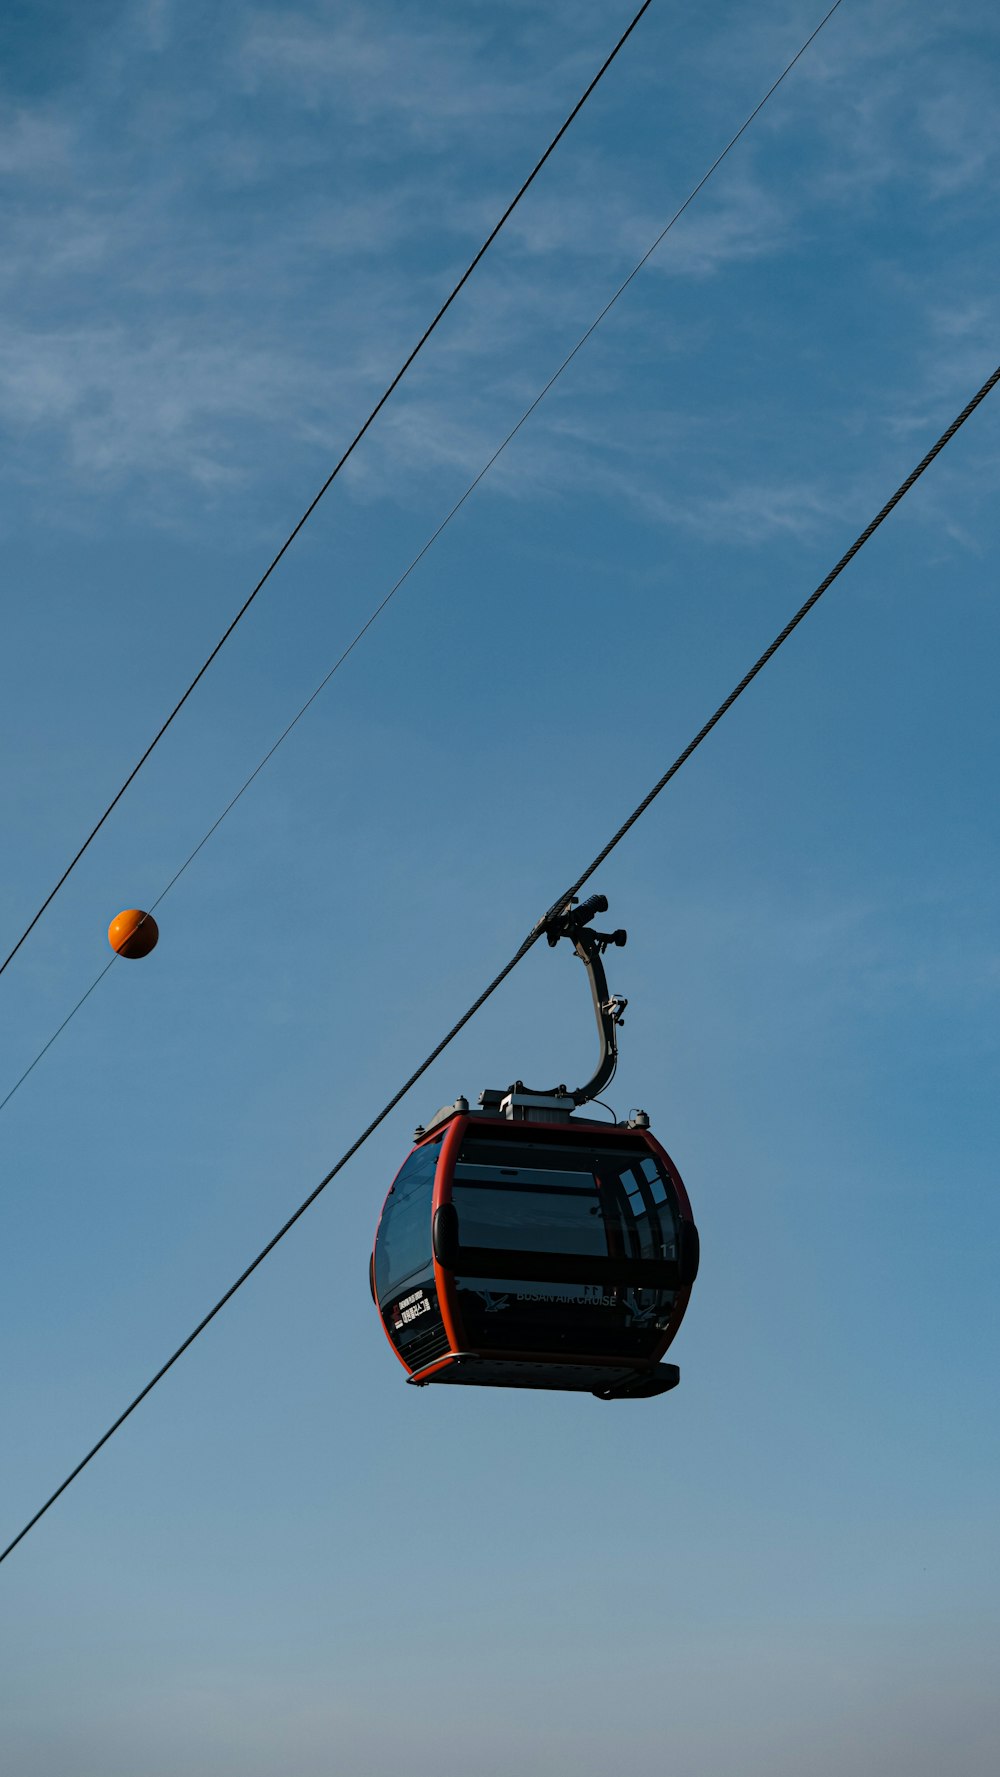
x: 201, y: 358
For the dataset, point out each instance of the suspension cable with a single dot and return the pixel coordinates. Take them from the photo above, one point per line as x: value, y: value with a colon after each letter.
x: 523, y: 949
x: 435, y: 534
x: 335, y: 471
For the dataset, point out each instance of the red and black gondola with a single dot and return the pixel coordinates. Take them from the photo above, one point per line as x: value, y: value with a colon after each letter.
x: 522, y: 1245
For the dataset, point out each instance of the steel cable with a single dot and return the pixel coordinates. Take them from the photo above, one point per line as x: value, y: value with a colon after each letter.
x: 523, y: 949
x: 435, y: 534
x: 310, y: 509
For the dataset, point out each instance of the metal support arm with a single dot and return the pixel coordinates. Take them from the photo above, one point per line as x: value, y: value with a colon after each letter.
x: 573, y: 922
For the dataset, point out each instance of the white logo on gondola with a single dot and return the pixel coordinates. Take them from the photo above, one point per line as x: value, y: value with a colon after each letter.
x: 591, y: 1294
x: 493, y: 1303
x: 409, y: 1308
x: 635, y: 1310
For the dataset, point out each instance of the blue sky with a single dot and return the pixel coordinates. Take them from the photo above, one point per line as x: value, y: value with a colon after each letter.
x: 222, y: 235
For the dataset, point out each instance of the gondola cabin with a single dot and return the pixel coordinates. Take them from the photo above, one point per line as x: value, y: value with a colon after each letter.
x: 524, y: 1246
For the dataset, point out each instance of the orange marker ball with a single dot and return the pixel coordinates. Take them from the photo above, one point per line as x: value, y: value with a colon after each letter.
x: 133, y: 933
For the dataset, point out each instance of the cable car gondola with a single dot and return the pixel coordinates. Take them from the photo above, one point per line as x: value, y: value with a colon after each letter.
x: 524, y: 1246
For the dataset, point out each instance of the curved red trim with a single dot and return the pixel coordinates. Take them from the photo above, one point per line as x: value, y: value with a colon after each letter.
x: 444, y: 1281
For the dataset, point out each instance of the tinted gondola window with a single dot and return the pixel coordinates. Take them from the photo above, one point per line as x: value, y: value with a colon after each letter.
x: 642, y: 1194
x: 403, y: 1249
x: 529, y: 1219
x: 548, y: 1204
x: 588, y: 1200
x: 580, y: 1200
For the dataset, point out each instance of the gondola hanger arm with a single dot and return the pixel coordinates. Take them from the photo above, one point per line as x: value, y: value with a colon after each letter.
x: 572, y: 921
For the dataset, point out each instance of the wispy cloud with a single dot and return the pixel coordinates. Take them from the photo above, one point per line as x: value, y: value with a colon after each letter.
x: 249, y: 260
x: 751, y: 511
x: 914, y: 950
x: 426, y: 79
x: 32, y: 143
